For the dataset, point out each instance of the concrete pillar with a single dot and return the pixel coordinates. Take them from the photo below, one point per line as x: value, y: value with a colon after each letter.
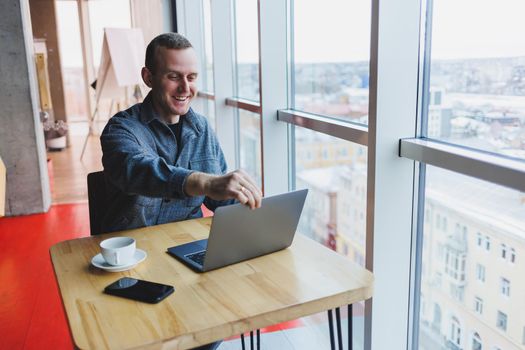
x: 44, y: 23
x: 21, y: 136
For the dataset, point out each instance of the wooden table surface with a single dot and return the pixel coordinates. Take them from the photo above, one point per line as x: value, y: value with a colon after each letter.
x: 304, y: 279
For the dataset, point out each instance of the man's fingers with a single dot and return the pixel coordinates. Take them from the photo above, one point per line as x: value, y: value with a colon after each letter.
x: 249, y: 195
x: 254, y: 192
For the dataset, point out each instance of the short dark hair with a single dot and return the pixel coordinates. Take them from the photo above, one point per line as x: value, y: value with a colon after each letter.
x: 167, y: 40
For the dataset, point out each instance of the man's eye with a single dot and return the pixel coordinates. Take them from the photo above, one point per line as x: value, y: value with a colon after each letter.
x: 174, y: 77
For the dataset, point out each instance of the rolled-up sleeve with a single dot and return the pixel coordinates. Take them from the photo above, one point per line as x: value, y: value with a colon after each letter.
x: 135, y: 169
x: 213, y: 204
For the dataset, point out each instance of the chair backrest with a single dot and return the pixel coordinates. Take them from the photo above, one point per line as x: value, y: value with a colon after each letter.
x: 97, y: 201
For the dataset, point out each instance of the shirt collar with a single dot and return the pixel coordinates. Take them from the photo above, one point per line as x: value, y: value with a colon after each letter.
x: 148, y: 114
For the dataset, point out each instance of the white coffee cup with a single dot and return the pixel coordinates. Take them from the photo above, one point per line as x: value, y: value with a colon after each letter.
x: 118, y: 250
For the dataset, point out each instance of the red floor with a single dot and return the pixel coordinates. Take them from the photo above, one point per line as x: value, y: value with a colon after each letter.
x: 31, y: 313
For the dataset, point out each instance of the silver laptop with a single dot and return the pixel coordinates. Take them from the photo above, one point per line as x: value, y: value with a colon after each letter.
x: 238, y: 233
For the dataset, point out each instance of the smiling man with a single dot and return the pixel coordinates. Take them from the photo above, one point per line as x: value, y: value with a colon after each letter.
x: 161, y: 159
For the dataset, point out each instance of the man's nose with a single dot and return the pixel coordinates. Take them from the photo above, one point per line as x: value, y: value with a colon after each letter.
x: 184, y: 86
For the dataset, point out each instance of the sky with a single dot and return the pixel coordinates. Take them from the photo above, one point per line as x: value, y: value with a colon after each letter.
x: 339, y: 30
x: 103, y: 13
x: 336, y: 31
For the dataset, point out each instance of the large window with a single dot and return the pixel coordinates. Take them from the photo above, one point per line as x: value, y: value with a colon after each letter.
x: 332, y: 58
x: 207, y: 75
x: 476, y: 205
x: 334, y: 214
x: 71, y: 60
x: 247, y: 49
x: 354, y: 85
x: 474, y: 96
x: 477, y: 75
x: 250, y: 144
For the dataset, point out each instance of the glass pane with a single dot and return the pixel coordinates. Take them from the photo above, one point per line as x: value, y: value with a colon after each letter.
x: 208, y: 48
x: 334, y: 214
x: 469, y: 285
x: 247, y: 49
x: 106, y: 14
x: 71, y: 60
x: 250, y: 144
x: 477, y: 75
x: 331, y: 58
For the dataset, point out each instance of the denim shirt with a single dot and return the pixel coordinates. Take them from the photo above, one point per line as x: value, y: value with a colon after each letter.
x: 145, y: 173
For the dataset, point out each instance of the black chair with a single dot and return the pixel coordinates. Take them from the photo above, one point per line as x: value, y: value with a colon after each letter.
x: 97, y: 198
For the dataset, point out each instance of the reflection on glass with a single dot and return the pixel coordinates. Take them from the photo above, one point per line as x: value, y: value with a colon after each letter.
x: 331, y: 58
x: 472, y: 289
x: 250, y: 144
x: 71, y: 60
x: 334, y: 214
x: 247, y: 49
x: 208, y: 52
x: 477, y: 75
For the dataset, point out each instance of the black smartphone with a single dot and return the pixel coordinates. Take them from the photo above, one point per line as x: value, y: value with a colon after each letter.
x: 132, y: 288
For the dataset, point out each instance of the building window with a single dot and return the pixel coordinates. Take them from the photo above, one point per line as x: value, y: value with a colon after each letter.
x: 501, y: 321
x: 480, y: 272
x: 487, y: 243
x: 438, y: 221
x: 505, y: 286
x: 479, y: 239
x: 476, y: 342
x: 455, y: 265
x: 455, y: 332
x: 512, y: 255
x: 503, y: 251
x: 478, y: 305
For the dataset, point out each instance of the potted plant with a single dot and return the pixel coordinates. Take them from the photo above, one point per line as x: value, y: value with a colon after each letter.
x: 55, y: 134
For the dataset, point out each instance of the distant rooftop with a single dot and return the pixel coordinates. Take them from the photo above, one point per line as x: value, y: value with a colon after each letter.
x: 496, y: 205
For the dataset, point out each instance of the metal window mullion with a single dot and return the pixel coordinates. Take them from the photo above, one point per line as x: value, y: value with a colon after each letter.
x: 390, y: 186
x: 344, y: 130
x: 273, y: 87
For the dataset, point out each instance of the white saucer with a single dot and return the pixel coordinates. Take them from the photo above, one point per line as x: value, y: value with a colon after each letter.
x: 98, y: 261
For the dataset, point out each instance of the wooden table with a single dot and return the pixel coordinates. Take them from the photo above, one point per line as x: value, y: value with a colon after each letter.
x: 302, y: 280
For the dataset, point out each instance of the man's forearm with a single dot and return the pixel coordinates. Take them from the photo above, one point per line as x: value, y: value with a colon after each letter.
x: 197, y: 184
x: 234, y: 185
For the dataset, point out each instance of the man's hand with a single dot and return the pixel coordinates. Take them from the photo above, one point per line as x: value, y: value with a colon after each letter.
x: 235, y: 185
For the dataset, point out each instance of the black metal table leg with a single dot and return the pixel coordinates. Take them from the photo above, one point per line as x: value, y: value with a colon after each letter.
x: 350, y: 327
x: 331, y: 326
x: 338, y: 324
x: 258, y: 339
x: 251, y: 340
x: 242, y: 342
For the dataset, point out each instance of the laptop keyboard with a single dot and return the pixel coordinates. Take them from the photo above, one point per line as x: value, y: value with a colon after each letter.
x: 197, y: 257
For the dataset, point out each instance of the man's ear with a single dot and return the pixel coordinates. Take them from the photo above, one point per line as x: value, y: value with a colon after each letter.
x: 147, y: 77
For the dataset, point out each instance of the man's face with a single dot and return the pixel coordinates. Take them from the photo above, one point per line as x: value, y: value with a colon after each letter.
x: 174, y: 81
